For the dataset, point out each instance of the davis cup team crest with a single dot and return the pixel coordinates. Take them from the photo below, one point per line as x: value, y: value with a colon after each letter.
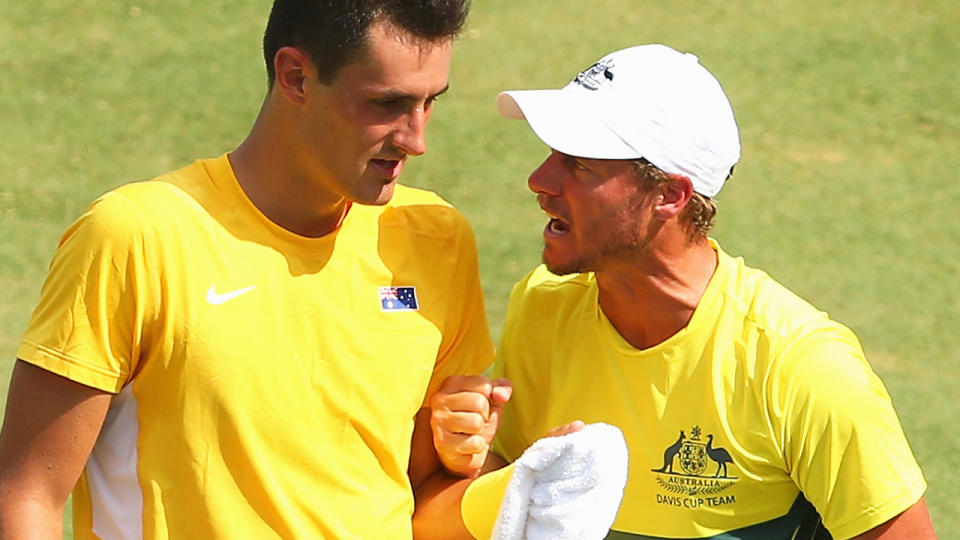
x: 693, y: 457
x: 692, y: 467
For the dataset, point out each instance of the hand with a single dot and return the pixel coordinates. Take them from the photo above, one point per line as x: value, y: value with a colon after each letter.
x: 465, y: 414
x: 566, y: 429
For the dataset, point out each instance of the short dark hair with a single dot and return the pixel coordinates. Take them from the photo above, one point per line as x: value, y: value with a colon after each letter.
x: 334, y: 32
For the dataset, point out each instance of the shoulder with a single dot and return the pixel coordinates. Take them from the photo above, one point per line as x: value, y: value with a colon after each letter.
x: 424, y: 213
x: 190, y: 186
x: 115, y: 215
x: 766, y: 305
x: 160, y: 195
x: 541, y: 284
x: 130, y: 212
x: 791, y: 336
x: 542, y: 292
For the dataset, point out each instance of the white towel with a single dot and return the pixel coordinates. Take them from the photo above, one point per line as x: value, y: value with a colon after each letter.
x: 567, y: 487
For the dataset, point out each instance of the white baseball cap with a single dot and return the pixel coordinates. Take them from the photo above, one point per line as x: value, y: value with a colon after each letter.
x: 649, y: 102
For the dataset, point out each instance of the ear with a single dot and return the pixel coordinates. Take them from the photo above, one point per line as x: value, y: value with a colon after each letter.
x: 292, y: 66
x: 673, y: 198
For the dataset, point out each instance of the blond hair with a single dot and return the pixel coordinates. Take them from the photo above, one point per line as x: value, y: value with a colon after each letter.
x: 697, y: 215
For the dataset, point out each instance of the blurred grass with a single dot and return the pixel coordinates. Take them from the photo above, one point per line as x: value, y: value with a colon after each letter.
x: 849, y: 117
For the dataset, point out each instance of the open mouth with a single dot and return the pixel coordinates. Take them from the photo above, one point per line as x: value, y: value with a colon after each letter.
x: 557, y: 227
x: 388, y: 168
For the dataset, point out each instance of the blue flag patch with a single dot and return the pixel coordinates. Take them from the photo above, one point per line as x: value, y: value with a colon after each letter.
x: 398, y: 299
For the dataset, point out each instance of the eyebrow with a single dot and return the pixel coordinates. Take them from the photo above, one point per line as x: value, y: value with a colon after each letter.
x: 441, y: 92
x: 396, y: 94
x: 570, y: 156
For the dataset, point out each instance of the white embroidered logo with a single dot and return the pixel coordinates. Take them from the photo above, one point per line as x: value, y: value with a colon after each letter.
x: 217, y: 299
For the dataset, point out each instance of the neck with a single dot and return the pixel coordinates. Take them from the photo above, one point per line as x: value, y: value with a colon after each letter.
x: 650, y: 300
x: 270, y: 173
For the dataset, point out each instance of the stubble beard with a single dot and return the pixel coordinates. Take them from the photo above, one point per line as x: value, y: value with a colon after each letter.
x: 620, y: 253
x: 620, y: 246
x: 573, y: 267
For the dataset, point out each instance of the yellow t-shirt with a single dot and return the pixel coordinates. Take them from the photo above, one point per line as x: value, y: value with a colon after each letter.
x: 266, y: 382
x: 760, y: 402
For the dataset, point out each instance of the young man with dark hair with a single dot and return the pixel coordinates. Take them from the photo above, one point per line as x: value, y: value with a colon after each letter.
x: 748, y: 413
x: 242, y: 348
x: 333, y: 32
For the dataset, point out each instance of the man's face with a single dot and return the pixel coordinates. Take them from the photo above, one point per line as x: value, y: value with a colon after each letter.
x: 360, y: 129
x: 599, y: 210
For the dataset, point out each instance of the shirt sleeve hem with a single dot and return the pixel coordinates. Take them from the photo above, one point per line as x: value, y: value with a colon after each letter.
x: 69, y: 367
x: 880, y: 514
x: 476, y: 366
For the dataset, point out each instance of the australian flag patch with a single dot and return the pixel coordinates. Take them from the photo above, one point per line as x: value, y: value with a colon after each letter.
x: 398, y: 299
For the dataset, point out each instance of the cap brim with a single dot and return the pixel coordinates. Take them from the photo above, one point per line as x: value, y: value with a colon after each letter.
x: 565, y: 123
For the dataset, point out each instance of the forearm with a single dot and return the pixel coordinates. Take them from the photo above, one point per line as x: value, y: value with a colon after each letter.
x: 50, y: 426
x: 437, y: 515
x: 441, y: 507
x: 25, y: 518
x: 463, y: 418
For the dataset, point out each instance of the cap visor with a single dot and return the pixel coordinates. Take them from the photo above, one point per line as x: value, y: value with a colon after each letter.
x: 564, y: 122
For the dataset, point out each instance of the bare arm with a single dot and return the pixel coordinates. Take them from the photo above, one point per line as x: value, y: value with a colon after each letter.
x: 457, y: 429
x: 423, y: 457
x: 464, y: 417
x: 439, y: 499
x: 913, y: 523
x: 437, y: 516
x: 49, y: 429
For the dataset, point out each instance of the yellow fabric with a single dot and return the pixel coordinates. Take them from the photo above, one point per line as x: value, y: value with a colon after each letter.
x: 784, y: 391
x: 275, y: 396
x: 480, y: 504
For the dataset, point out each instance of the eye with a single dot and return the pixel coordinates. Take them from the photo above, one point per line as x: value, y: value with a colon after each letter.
x: 573, y: 163
x: 388, y: 103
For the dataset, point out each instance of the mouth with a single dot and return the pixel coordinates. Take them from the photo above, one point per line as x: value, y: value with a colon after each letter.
x: 389, y: 169
x: 558, y: 224
x: 556, y: 227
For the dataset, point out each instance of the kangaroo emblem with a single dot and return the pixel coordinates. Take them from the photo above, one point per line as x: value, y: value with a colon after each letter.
x: 670, y: 453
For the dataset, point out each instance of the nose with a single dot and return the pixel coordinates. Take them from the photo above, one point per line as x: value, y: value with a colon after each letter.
x: 544, y: 178
x: 410, y: 134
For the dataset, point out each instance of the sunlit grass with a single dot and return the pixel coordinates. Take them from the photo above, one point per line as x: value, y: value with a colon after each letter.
x: 849, y: 116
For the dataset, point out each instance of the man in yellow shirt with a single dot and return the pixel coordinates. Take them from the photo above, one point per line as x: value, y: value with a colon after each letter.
x: 747, y: 412
x: 242, y: 348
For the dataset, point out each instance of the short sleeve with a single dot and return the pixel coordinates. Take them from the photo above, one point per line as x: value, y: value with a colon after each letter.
x: 466, y: 347
x: 843, y: 443
x: 87, y: 322
x: 509, y: 443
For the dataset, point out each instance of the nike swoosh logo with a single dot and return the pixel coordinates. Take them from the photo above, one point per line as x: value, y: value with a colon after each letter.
x: 217, y: 299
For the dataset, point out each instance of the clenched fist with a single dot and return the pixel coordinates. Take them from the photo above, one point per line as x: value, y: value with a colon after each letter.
x: 465, y: 414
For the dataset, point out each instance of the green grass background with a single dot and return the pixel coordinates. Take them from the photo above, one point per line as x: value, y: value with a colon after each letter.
x: 846, y: 193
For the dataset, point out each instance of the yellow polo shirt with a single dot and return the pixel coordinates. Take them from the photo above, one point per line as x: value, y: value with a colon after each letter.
x: 761, y: 404
x: 266, y: 382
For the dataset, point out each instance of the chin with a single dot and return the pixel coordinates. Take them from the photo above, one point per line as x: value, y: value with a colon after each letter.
x: 378, y: 198
x: 386, y: 194
x: 562, y: 268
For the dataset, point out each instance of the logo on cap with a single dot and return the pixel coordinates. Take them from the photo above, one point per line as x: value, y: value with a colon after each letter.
x: 596, y: 75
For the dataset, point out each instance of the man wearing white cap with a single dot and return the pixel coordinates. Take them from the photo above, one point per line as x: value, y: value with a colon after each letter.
x: 747, y: 412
